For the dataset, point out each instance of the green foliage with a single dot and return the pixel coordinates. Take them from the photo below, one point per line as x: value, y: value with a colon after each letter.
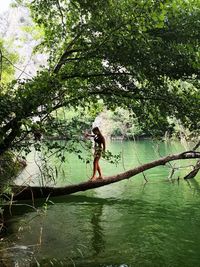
x: 9, y: 168
x: 142, y: 56
x: 6, y: 68
x: 125, y: 124
x: 114, y: 159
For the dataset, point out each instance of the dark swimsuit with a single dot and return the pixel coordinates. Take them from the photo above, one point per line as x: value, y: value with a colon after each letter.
x: 97, y: 147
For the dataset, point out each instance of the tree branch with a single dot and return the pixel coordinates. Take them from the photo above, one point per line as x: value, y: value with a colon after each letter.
x: 63, y: 58
x: 9, y: 61
x: 94, y: 75
x: 62, y: 16
x: 26, y: 192
x: 194, y: 172
x: 196, y: 146
x: 196, y: 168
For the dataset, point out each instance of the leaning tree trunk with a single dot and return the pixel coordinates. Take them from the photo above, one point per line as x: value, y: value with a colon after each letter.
x: 27, y: 192
x: 196, y: 168
x: 194, y: 172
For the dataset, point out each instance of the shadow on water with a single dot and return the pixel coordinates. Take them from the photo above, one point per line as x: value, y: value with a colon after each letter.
x: 23, y: 207
x: 97, y: 241
x: 147, y: 225
x: 195, y: 185
x: 96, y: 237
x: 123, y: 225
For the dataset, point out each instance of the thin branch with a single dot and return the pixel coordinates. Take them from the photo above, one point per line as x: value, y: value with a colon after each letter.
x: 171, y: 174
x: 196, y: 168
x: 95, y: 50
x: 64, y: 56
x: 16, y: 66
x: 94, y: 75
x: 23, y: 71
x: 194, y: 172
x: 106, y: 91
x: 62, y: 16
x: 196, y: 146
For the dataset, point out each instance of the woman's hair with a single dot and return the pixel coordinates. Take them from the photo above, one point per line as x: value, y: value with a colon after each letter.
x: 96, y: 129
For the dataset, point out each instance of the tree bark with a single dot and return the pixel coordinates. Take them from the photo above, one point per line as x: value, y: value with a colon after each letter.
x: 194, y: 172
x: 27, y: 192
x: 196, y: 168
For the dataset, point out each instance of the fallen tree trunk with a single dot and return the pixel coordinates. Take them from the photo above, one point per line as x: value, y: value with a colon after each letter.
x: 194, y: 172
x: 196, y: 168
x: 27, y: 192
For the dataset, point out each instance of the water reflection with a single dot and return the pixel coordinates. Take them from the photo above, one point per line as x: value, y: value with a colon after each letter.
x: 97, y: 241
x: 131, y: 223
x: 194, y: 184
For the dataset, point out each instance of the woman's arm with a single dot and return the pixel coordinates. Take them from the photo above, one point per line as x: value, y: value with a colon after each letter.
x: 104, y: 144
x: 89, y: 135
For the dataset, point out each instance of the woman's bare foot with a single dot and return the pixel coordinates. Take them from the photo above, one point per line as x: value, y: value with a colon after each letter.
x: 93, y: 178
x: 99, y: 178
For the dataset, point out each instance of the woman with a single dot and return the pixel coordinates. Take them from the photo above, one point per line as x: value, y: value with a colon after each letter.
x: 100, y: 146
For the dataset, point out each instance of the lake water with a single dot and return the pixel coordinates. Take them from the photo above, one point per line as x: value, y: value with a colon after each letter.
x: 130, y: 223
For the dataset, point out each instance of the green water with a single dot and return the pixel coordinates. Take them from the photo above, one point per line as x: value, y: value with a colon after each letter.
x: 130, y: 223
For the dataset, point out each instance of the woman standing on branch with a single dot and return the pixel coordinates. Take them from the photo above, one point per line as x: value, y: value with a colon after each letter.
x: 99, y: 147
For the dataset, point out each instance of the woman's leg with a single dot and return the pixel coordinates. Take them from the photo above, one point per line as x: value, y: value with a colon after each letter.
x: 99, y: 169
x: 95, y: 167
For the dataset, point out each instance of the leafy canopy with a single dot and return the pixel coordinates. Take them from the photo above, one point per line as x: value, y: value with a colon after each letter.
x: 141, y: 55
